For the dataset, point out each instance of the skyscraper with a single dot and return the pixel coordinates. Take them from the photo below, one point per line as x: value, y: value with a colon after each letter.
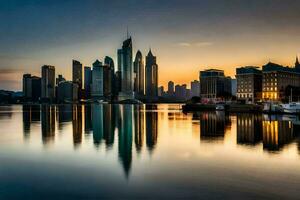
x: 97, y: 80
x: 27, y: 87
x: 151, y: 76
x: 195, y: 88
x: 170, y: 88
x: 87, y: 81
x: 31, y: 87
x: 48, y: 83
x: 110, y: 88
x: 125, y: 66
x: 77, y: 73
x: 139, y: 74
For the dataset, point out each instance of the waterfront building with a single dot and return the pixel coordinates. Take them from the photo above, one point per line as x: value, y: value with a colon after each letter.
x: 214, y: 84
x: 60, y: 79
x: 31, y: 87
x: 249, y: 83
x: 48, y: 83
x: 233, y: 87
x: 160, y: 91
x: 171, y: 88
x: 67, y: 91
x: 139, y: 74
x: 297, y: 64
x: 181, y: 93
x: 109, y: 75
x: 151, y: 76
x: 126, y: 70
x: 195, y: 88
x: 276, y: 79
x: 97, y: 80
x: 77, y: 73
x: 27, y: 87
x: 87, y: 81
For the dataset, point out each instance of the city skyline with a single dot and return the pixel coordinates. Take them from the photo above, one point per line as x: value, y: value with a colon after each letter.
x: 222, y: 35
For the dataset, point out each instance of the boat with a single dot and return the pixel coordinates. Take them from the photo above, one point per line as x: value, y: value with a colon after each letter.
x: 271, y: 107
x: 220, y: 107
x: 292, y: 107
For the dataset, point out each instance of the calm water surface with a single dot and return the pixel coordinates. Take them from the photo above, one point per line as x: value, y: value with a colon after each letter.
x: 126, y: 151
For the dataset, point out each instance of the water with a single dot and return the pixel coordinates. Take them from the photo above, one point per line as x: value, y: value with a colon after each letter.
x: 125, y: 151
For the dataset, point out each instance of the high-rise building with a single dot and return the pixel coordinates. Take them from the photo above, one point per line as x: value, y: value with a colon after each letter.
x: 160, y: 91
x: 27, y: 87
x: 151, y: 76
x: 48, y: 83
x: 60, y: 79
x: 214, y: 84
x: 297, y: 64
x: 77, y: 73
x: 126, y: 69
x: 87, y: 81
x: 139, y: 74
x: 97, y: 80
x: 249, y: 83
x: 195, y: 88
x: 171, y: 88
x: 31, y: 87
x: 109, y: 76
x: 67, y: 91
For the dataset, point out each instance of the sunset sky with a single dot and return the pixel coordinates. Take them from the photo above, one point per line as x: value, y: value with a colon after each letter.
x: 186, y: 35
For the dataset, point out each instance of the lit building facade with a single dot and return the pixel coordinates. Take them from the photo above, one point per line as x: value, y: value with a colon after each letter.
x: 249, y: 83
x: 276, y: 79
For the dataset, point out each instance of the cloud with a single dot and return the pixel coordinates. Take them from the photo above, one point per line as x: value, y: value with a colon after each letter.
x: 184, y: 44
x: 196, y: 44
x: 203, y: 44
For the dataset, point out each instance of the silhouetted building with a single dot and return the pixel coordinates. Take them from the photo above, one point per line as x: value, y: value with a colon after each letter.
x: 249, y: 83
x: 195, y: 88
x: 67, y: 91
x: 214, y: 84
x: 87, y: 81
x: 126, y: 69
x: 297, y: 64
x: 171, y: 89
x: 160, y: 91
x: 151, y: 77
x: 31, y: 87
x: 48, y: 83
x: 139, y: 76
x: 276, y: 79
x: 181, y: 92
x: 97, y: 80
x: 111, y: 77
x: 77, y: 73
x: 60, y: 79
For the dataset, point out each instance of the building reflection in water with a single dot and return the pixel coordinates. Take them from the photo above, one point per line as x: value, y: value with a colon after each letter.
x: 48, y: 123
x: 77, y: 124
x: 31, y: 114
x: 64, y: 115
x: 277, y: 133
x: 151, y: 128
x: 126, y: 129
x: 139, y: 118
x: 97, y: 119
x: 88, y: 119
x: 213, y: 125
x: 249, y: 128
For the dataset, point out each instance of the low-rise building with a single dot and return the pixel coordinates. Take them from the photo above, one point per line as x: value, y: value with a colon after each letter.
x: 249, y: 83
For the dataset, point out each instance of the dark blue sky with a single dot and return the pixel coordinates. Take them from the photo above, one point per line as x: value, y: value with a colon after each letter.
x: 193, y: 34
